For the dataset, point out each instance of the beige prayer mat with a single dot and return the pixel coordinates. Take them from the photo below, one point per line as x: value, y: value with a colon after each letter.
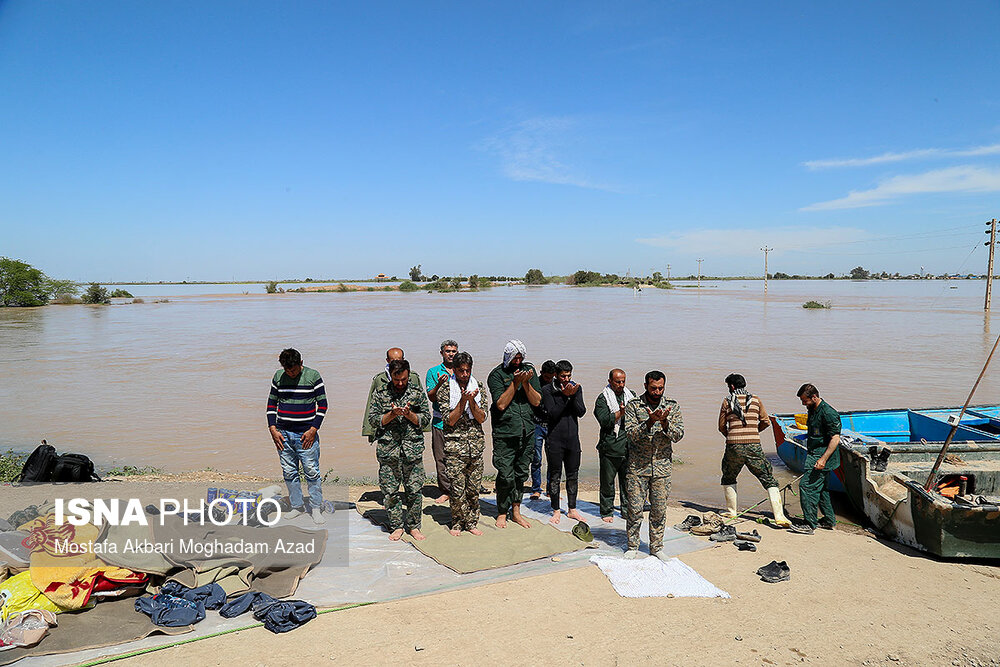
x: 471, y: 553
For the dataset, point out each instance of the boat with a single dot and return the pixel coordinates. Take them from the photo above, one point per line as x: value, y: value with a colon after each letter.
x: 886, y: 457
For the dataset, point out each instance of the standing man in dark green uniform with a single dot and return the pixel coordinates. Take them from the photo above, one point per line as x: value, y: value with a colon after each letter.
x: 822, y: 456
x: 612, y: 445
x: 515, y: 390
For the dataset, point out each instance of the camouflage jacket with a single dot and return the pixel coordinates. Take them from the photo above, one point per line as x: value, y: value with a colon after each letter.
x: 400, y: 437
x: 466, y: 437
x: 650, y: 447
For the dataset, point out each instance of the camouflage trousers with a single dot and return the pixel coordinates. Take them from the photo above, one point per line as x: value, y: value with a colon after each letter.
x: 751, y: 456
x: 403, y: 506
x: 466, y: 475
x: 637, y: 488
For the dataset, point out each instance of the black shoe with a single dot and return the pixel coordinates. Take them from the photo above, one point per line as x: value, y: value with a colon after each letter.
x: 752, y: 536
x: 801, y: 528
x: 883, y: 460
x: 775, y: 572
x: 727, y: 534
x: 743, y: 545
x: 688, y: 523
x: 826, y: 525
x: 152, y: 509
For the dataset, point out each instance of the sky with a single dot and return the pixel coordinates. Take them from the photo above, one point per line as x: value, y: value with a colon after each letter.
x: 256, y: 140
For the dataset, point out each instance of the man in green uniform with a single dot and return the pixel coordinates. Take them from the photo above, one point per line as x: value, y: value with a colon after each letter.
x: 380, y: 380
x: 612, y: 445
x: 515, y: 390
x: 652, y: 423
x: 398, y: 414
x: 822, y: 456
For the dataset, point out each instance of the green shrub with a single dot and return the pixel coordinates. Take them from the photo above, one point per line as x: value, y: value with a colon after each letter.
x: 341, y: 287
x: 96, y: 294
x: 10, y: 465
x: 408, y: 286
x: 812, y: 305
x: 271, y: 287
x: 121, y: 294
x: 663, y: 284
x: 65, y: 299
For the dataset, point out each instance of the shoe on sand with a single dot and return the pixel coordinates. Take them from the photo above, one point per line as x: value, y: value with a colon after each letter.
x: 293, y: 513
x: 752, y: 536
x: 743, y: 545
x: 632, y: 554
x: 725, y: 534
x: 711, y: 524
x: 317, y: 516
x: 688, y: 523
x: 775, y: 572
x: 801, y: 528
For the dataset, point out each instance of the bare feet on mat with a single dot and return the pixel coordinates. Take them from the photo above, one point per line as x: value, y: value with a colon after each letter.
x: 475, y: 531
x: 502, y: 521
x: 536, y: 496
x: 608, y: 519
x: 417, y: 535
x: 396, y: 534
x: 443, y: 498
x: 555, y: 517
x: 455, y: 531
x: 573, y: 514
x: 518, y: 519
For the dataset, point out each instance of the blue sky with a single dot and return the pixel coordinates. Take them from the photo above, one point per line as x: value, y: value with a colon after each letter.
x: 222, y: 140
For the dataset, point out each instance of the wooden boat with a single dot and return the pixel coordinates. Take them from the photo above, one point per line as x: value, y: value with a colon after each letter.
x: 959, y: 518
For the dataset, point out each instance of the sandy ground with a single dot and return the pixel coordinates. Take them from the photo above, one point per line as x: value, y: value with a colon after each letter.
x: 852, y: 599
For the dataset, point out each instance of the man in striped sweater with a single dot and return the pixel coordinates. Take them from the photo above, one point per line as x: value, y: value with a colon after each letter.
x: 741, y: 419
x: 295, y: 410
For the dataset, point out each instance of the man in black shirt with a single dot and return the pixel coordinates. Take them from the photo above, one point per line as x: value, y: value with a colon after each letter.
x: 563, y: 402
x: 541, y: 432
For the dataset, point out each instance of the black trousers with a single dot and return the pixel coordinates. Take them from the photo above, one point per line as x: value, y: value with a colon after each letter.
x: 557, y: 456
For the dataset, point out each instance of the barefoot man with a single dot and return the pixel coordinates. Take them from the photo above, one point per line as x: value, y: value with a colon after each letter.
x: 380, y: 380
x: 563, y: 401
x: 436, y: 377
x: 612, y: 445
x: 653, y: 424
x: 398, y: 414
x: 515, y: 390
x: 464, y: 405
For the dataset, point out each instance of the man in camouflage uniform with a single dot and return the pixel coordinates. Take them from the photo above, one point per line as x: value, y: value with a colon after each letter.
x: 652, y: 424
x: 464, y: 441
x: 398, y: 414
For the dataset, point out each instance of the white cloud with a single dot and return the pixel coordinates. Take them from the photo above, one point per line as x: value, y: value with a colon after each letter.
x: 952, y: 179
x: 747, y: 242
x: 528, y: 152
x: 919, y: 154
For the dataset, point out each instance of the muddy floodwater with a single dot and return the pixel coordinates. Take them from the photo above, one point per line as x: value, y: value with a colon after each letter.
x: 182, y: 385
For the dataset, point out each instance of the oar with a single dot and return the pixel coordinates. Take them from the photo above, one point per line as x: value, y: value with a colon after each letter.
x: 733, y: 518
x: 931, y: 478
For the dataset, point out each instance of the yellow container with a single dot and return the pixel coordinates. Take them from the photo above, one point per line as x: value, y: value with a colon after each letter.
x: 801, y: 421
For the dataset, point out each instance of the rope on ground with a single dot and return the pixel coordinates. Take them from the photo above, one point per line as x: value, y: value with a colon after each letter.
x: 133, y: 654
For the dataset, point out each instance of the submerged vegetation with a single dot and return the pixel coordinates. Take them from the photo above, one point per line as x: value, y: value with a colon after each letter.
x: 815, y: 305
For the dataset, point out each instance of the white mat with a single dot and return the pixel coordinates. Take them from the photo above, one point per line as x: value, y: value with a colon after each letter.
x: 651, y: 578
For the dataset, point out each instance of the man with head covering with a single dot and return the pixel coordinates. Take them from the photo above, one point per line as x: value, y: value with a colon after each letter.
x: 612, y: 444
x: 515, y: 391
x: 463, y: 404
x: 379, y: 381
x: 742, y: 419
x: 436, y: 377
x: 653, y: 424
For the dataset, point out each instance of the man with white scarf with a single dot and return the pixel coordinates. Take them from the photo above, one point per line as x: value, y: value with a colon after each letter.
x: 741, y: 419
x: 515, y: 391
x: 612, y: 445
x: 463, y: 407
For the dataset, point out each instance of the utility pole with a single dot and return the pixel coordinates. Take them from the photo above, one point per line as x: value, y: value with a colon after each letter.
x: 766, y: 250
x: 992, y: 231
x: 668, y: 273
x: 699, y: 272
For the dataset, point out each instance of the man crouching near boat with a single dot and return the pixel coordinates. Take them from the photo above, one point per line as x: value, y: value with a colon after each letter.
x: 741, y: 420
x: 463, y: 409
x: 398, y: 414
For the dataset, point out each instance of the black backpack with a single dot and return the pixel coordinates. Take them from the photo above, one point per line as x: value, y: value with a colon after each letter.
x: 44, y: 465
x: 38, y: 467
x: 74, y: 468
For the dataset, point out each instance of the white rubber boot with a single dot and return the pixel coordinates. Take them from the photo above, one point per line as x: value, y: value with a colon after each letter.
x: 731, y: 504
x: 777, y: 509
